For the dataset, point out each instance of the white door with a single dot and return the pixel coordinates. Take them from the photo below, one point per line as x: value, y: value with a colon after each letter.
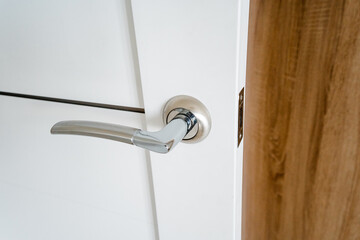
x: 116, y: 54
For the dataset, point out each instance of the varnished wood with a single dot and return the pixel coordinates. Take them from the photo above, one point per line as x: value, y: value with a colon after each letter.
x: 302, y: 121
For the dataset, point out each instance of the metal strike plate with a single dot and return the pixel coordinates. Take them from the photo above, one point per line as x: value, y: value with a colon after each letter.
x: 241, y: 117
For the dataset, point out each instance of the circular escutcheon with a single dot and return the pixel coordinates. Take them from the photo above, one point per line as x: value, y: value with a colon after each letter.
x: 178, y: 103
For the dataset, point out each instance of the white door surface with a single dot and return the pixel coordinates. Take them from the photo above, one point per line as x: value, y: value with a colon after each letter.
x: 135, y: 54
x: 60, y: 187
x: 75, y: 49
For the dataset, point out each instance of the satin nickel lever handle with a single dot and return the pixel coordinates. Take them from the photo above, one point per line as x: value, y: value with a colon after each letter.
x: 162, y: 141
x: 182, y: 124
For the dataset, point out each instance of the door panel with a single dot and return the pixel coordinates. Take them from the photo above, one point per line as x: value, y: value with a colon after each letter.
x: 70, y: 187
x: 302, y: 121
x: 191, y: 48
x: 69, y: 49
x: 92, y: 188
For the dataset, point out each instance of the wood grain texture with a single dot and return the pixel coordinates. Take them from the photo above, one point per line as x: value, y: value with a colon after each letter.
x: 302, y: 121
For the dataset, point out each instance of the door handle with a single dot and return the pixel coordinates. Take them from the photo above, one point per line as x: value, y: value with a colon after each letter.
x: 186, y: 119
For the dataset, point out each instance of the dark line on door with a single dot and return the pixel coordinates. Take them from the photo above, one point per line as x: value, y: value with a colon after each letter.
x: 74, y: 102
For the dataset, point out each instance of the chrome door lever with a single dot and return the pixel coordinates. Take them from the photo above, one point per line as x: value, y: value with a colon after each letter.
x: 186, y: 118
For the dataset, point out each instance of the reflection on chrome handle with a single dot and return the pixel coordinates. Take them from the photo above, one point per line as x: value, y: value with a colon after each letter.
x: 162, y: 141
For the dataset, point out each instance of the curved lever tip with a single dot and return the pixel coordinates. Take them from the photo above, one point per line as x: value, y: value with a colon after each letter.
x: 56, y: 128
